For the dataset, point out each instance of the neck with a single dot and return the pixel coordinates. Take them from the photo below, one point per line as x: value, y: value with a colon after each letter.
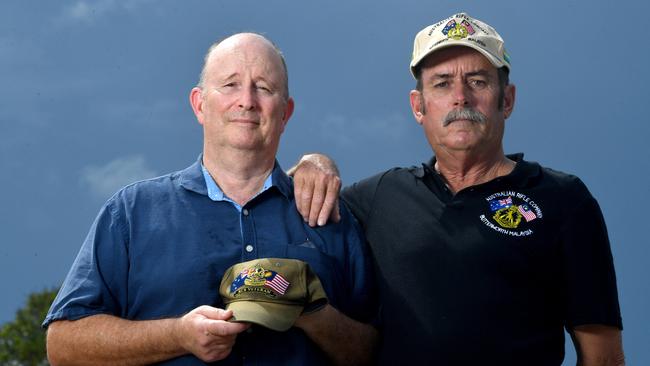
x: 239, y: 174
x: 461, y: 171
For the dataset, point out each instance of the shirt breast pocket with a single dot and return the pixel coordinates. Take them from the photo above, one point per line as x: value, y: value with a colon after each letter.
x: 328, y: 268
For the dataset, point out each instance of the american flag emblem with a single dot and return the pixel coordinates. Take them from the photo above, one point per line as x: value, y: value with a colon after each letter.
x: 277, y: 283
x: 526, y: 212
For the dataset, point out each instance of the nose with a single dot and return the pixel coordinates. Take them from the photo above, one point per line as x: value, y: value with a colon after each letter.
x: 248, y: 98
x: 461, y: 95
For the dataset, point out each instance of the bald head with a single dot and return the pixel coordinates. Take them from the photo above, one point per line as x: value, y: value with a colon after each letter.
x: 256, y: 41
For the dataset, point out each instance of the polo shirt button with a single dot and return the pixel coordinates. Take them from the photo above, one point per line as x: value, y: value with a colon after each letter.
x: 244, y: 212
x: 249, y: 248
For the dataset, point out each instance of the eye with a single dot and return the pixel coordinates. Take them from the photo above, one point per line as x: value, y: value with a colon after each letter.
x: 478, y: 83
x: 440, y: 85
x: 264, y: 89
x: 228, y: 87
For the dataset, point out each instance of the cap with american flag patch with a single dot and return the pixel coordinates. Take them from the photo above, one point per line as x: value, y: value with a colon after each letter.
x: 271, y: 292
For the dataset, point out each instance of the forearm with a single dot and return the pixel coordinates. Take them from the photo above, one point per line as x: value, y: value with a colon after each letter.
x: 598, y: 345
x: 345, y: 340
x: 109, y: 340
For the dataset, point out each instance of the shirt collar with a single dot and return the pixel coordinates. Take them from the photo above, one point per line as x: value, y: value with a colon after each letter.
x: 216, y: 194
x: 523, y: 172
x: 193, y: 179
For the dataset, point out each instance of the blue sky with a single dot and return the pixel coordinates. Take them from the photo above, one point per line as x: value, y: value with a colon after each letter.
x: 94, y: 95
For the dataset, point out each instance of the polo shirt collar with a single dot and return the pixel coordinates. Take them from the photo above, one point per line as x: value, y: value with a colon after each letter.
x: 193, y: 180
x: 520, y: 176
x: 282, y: 181
x: 216, y: 194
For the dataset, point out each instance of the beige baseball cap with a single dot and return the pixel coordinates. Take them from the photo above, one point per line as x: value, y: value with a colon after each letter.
x: 460, y: 30
x: 271, y: 292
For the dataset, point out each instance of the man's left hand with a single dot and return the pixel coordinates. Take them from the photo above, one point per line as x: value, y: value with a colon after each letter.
x: 316, y: 188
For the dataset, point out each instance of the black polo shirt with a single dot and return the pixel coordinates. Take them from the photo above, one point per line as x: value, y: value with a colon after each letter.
x: 490, y: 275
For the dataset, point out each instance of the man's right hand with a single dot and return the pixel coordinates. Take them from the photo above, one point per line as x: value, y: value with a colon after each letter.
x: 316, y: 187
x: 207, y: 333
x: 104, y: 339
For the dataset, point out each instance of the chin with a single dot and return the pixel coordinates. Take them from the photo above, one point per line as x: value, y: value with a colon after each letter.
x: 462, y: 144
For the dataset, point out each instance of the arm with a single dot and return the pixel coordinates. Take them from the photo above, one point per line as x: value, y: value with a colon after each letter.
x: 344, y: 340
x: 108, y: 340
x: 593, y: 313
x: 598, y: 345
x: 316, y: 186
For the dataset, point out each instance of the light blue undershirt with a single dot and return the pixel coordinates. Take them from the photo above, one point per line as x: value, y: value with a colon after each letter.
x: 216, y: 194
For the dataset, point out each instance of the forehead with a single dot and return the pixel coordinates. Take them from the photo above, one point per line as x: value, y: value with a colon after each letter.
x: 455, y: 60
x: 245, y: 54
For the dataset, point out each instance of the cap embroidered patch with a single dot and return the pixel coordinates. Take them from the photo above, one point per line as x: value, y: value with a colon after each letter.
x: 458, y: 30
x: 259, y: 279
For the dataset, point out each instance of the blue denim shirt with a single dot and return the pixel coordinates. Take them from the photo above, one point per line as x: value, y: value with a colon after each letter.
x: 159, y: 248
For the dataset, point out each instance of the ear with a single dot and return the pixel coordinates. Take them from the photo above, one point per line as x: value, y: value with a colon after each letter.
x: 288, y: 111
x: 509, y: 100
x: 196, y: 101
x: 417, y: 103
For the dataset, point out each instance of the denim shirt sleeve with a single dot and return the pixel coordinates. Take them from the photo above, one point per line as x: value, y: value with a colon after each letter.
x: 99, y: 273
x: 363, y: 299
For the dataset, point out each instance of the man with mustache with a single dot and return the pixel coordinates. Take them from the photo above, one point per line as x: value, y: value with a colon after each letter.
x: 145, y: 287
x: 482, y: 258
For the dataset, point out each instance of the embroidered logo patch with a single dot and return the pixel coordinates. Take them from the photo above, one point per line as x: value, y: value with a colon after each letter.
x: 510, y: 213
x: 458, y: 31
x: 258, y: 279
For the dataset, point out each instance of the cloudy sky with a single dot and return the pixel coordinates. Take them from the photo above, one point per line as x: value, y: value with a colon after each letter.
x: 94, y: 95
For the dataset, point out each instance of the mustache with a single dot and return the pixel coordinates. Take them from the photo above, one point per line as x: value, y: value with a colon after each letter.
x: 469, y: 114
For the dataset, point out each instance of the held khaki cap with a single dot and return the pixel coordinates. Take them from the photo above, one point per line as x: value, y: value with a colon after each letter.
x: 460, y: 30
x: 271, y: 292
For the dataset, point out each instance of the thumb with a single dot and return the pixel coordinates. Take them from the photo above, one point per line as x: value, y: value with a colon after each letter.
x: 215, y: 313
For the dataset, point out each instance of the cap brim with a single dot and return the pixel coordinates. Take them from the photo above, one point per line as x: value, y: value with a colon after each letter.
x: 492, y: 58
x: 279, y: 317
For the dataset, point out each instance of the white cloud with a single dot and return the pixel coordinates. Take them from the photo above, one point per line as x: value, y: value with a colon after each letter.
x: 80, y: 10
x: 104, y: 180
x: 87, y: 11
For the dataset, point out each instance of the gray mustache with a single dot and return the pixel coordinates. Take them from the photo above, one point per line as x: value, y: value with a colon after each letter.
x: 469, y: 114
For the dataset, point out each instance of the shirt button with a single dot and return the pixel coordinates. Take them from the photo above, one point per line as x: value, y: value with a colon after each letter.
x: 249, y: 248
x: 244, y: 212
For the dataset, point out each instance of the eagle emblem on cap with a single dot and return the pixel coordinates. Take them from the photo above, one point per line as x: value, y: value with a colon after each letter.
x: 255, y: 276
